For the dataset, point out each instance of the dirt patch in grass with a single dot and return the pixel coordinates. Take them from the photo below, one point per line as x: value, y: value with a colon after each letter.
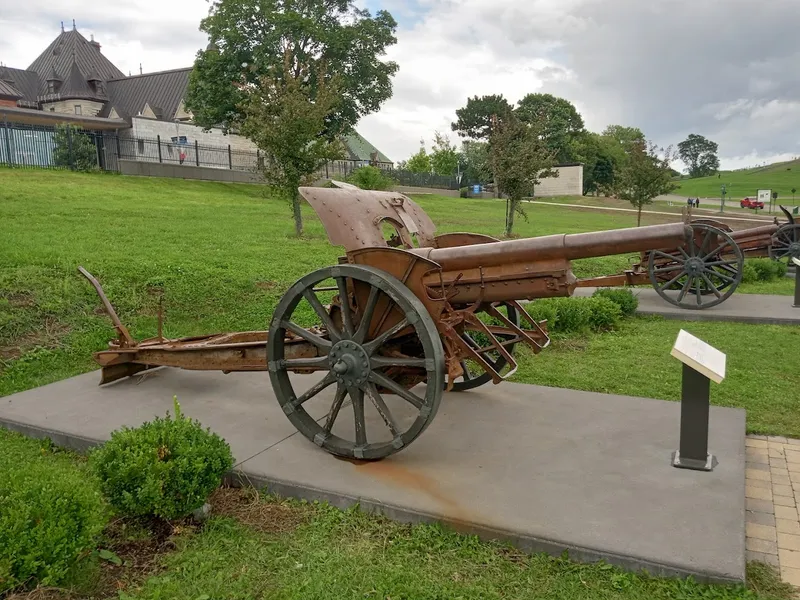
x: 268, y: 286
x: 49, y: 336
x: 20, y: 299
x: 248, y: 507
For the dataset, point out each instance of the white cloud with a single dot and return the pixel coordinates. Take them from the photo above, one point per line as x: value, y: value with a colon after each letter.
x: 721, y: 68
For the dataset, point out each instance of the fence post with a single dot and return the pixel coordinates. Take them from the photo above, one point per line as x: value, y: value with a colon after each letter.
x: 8, y: 143
x: 196, y: 153
x: 158, y: 139
x: 327, y: 176
x: 230, y: 158
x: 69, y: 148
x: 119, y: 150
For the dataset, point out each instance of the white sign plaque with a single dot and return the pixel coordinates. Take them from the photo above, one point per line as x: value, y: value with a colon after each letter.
x: 764, y: 196
x: 796, y: 261
x: 700, y: 356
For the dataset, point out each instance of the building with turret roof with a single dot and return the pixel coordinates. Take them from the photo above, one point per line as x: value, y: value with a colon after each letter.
x: 72, y: 81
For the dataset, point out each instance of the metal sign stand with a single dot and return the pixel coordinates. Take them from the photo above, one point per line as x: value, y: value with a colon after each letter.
x: 796, y: 262
x: 701, y: 363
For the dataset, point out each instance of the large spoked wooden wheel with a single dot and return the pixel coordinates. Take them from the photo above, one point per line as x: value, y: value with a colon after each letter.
x: 474, y: 374
x: 786, y: 244
x: 381, y: 344
x: 700, y: 275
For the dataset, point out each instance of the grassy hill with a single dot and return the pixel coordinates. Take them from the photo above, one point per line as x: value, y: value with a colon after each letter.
x: 778, y: 177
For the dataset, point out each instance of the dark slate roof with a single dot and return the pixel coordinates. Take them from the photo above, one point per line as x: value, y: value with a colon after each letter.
x: 163, y: 91
x: 27, y: 83
x: 7, y: 90
x: 358, y: 148
x: 75, y: 85
x: 59, y: 56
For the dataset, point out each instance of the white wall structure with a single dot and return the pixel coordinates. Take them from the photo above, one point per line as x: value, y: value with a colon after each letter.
x: 568, y: 183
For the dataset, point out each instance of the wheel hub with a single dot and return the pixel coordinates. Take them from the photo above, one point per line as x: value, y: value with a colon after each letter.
x: 349, y: 362
x: 694, y: 266
x: 794, y: 249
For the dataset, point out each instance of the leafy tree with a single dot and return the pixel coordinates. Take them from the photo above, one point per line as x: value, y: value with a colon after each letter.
x: 285, y: 116
x: 73, y: 149
x: 475, y: 161
x: 518, y: 157
x: 644, y: 176
x: 557, y: 119
x: 419, y: 162
x: 371, y: 178
x: 626, y: 137
x: 444, y: 156
x: 700, y: 155
x: 328, y: 39
x: 474, y: 121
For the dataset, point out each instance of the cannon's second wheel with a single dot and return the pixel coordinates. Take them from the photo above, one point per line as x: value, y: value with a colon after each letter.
x: 786, y: 243
x: 474, y: 375
x: 382, y: 343
x: 701, y: 274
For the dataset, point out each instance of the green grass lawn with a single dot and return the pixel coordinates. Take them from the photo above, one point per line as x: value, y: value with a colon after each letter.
x: 778, y: 177
x: 223, y: 254
x: 267, y: 548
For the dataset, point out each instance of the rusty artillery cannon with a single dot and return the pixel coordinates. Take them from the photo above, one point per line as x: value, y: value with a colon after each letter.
x: 404, y: 307
x: 706, y: 271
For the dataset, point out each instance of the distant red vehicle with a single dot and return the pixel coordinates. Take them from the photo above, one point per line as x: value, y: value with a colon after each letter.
x: 750, y: 203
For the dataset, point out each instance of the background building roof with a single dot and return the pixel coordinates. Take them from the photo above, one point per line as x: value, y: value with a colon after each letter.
x: 71, y: 45
x: 162, y: 91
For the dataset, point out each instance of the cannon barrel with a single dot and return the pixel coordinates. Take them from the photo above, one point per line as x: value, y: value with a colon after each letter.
x: 561, y: 246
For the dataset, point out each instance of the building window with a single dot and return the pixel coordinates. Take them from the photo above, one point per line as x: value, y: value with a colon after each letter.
x: 78, y: 109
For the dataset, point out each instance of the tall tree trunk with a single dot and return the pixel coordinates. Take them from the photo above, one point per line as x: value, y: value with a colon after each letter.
x: 298, y: 217
x: 639, y: 216
x: 512, y: 208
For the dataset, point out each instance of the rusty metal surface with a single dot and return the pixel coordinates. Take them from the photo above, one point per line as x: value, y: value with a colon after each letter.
x: 354, y: 218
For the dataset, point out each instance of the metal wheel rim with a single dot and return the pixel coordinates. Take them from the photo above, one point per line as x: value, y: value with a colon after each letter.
x: 786, y: 243
x: 699, y: 270
x: 347, y: 396
x: 463, y: 384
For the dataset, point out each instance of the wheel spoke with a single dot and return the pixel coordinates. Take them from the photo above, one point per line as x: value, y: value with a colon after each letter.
x: 704, y: 245
x: 383, y: 410
x: 341, y: 393
x: 685, y: 288
x: 722, y: 263
x: 668, y: 268
x: 465, y: 368
x: 670, y: 256
x: 390, y: 361
x: 344, y: 305
x: 322, y: 314
x: 717, y: 251
x: 315, y: 389
x: 319, y: 362
x: 312, y: 338
x: 682, y: 251
x: 724, y: 277
x: 698, y: 292
x: 667, y: 285
x: 366, y: 317
x: 379, y: 341
x: 710, y: 285
x: 357, y: 397
x: 383, y: 381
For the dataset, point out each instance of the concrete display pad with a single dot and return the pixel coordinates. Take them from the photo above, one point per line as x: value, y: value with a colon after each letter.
x: 544, y: 468
x: 742, y: 308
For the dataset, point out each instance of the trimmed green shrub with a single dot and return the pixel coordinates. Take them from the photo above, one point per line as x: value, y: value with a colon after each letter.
x: 749, y: 273
x: 371, y: 178
x: 463, y: 192
x: 49, y: 518
x: 573, y: 314
x: 781, y: 268
x: 765, y: 269
x: 623, y: 297
x: 165, y: 468
x: 604, y: 313
x: 544, y: 310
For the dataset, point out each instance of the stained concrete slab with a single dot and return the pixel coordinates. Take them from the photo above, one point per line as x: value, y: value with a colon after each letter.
x: 547, y: 469
x: 742, y: 308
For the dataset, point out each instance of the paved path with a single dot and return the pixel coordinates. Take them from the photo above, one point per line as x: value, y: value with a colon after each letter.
x: 547, y: 469
x: 773, y: 492
x: 646, y: 212
x: 742, y: 308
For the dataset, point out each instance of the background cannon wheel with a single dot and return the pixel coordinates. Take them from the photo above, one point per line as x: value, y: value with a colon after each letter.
x: 362, y: 363
x: 474, y: 375
x: 700, y: 275
x: 786, y: 243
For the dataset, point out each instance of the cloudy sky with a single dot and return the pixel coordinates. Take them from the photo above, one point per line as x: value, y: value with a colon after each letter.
x: 726, y: 69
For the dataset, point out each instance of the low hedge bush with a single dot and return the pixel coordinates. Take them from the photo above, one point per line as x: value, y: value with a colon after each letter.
x: 165, y: 468
x: 371, y: 178
x: 767, y: 270
x: 49, y: 519
x: 576, y: 315
x: 623, y: 297
x: 749, y: 273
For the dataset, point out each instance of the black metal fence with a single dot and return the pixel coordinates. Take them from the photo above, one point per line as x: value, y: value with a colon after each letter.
x: 24, y: 146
